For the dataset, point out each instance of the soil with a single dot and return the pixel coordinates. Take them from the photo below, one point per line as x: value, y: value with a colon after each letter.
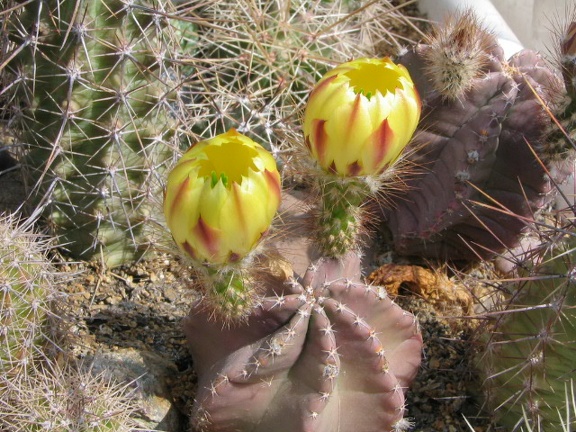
x: 138, y: 307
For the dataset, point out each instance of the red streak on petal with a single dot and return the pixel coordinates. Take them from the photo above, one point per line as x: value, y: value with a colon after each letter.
x: 354, y: 169
x: 207, y: 235
x: 383, y: 137
x: 189, y: 249
x: 321, y: 86
x: 319, y: 139
x: 240, y: 213
x: 354, y: 114
x: 177, y: 200
x: 273, y: 180
x: 332, y: 168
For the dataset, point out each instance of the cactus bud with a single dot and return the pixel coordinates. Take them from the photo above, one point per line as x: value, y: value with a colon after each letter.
x: 457, y: 54
x: 221, y: 197
x: 360, y: 116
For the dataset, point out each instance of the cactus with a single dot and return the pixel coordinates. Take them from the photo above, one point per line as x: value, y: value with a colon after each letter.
x: 262, y: 57
x: 322, y: 353
x: 529, y: 357
x: 483, y: 147
x: 40, y: 387
x: 65, y: 397
x: 27, y: 288
x: 94, y: 83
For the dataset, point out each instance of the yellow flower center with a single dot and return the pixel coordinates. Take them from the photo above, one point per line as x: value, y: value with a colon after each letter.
x: 370, y: 78
x: 228, y: 162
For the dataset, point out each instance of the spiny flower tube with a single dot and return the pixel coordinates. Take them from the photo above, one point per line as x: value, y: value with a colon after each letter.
x: 358, y: 119
x: 360, y: 116
x: 220, y: 199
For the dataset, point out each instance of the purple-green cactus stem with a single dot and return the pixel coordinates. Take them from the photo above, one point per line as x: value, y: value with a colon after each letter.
x: 481, y: 178
x: 322, y: 353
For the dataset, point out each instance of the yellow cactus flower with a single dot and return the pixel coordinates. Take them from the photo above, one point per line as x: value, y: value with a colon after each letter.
x: 221, y: 198
x: 360, y: 116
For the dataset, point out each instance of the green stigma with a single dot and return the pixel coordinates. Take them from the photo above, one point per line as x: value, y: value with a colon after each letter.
x: 216, y: 178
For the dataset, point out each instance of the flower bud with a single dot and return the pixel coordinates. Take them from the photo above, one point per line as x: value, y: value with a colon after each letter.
x: 221, y: 198
x: 360, y: 116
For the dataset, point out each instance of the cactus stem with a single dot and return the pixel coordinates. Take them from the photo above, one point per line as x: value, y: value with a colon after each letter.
x: 229, y: 291
x: 339, y: 218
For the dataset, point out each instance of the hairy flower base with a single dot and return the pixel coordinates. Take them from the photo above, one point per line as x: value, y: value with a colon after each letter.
x: 230, y: 294
x: 339, y: 215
